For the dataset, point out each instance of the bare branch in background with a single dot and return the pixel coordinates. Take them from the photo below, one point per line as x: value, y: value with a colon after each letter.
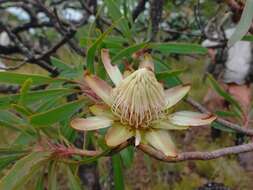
x: 139, y: 9
x: 8, y: 89
x: 182, y: 156
x: 156, y: 10
x: 28, y: 53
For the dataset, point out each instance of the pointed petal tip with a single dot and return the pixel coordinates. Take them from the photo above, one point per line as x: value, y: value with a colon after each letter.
x: 210, y: 117
x: 175, y: 94
x: 137, y: 138
x: 113, y: 71
x: 99, y: 86
x: 189, y: 118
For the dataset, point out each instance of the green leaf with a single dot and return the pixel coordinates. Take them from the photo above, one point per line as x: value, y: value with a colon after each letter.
x: 40, y: 182
x: 248, y: 38
x: 31, y: 97
x: 23, y: 111
x: 74, y: 182
x: 115, y: 14
x: 57, y: 114
x: 169, y: 74
x: 127, y: 155
x: 226, y: 114
x: 23, y: 170
x: 7, y: 159
x: 66, y: 71
x: 117, y: 172
x: 24, y: 89
x: 109, y: 41
x: 223, y: 93
x: 60, y: 64
x: 244, y: 24
x: 92, y: 49
x: 24, y: 139
x: 17, y: 78
x: 221, y: 127
x: 52, y: 176
x: 160, y: 67
x: 180, y: 48
x: 128, y: 51
x: 11, y: 120
x: 68, y: 132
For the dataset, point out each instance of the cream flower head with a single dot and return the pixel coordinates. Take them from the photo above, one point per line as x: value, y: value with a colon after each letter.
x: 138, y: 107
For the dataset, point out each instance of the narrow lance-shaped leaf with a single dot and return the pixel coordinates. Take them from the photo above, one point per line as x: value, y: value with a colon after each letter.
x: 244, y: 23
x: 223, y: 93
x: 31, y: 97
x: 52, y: 173
x: 24, y: 89
x: 115, y: 14
x: 117, y: 173
x: 92, y: 49
x: 23, y: 170
x: 166, y: 75
x: 129, y: 51
x: 179, y: 48
x: 248, y: 38
x: 57, y: 114
x: 17, y: 78
x: 74, y: 182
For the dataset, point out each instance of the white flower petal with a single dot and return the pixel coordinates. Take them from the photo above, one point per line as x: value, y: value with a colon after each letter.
x: 188, y: 118
x: 175, y: 94
x: 102, y: 110
x: 162, y: 141
x: 117, y: 134
x: 90, y: 123
x: 166, y: 124
x: 100, y: 87
x: 137, y: 137
x: 113, y: 71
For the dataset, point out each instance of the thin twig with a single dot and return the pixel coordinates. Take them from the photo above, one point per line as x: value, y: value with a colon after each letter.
x: 224, y: 122
x: 184, y: 156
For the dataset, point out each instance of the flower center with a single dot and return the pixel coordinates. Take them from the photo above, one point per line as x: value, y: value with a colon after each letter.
x: 139, y: 98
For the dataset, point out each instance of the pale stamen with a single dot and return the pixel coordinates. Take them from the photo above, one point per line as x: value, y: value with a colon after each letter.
x: 139, y: 98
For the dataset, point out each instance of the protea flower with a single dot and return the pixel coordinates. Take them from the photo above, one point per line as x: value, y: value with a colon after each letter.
x: 138, y: 107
